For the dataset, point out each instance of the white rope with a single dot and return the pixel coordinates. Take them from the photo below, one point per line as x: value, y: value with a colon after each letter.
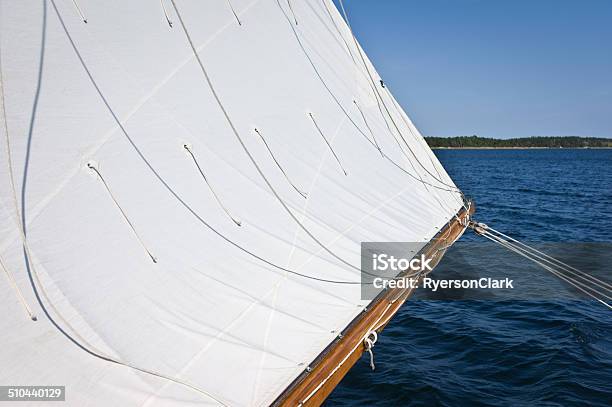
x: 368, y: 342
x: 78, y: 9
x: 223, y: 207
x: 125, y: 217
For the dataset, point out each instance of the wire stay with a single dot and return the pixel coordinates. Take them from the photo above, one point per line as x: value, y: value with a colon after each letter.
x: 592, y: 286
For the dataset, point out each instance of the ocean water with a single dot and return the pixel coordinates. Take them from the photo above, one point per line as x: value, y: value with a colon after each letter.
x: 538, y: 350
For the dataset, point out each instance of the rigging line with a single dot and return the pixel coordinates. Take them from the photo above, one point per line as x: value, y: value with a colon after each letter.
x: 512, y: 247
x: 331, y: 94
x: 382, y: 100
x: 534, y: 258
x: 229, y: 3
x: 78, y: 9
x: 133, y: 110
x: 292, y: 13
x: 36, y: 284
x: 353, y: 59
x: 567, y: 279
x: 173, y: 193
x: 18, y: 292
x: 382, y: 114
x: 427, y: 150
x: 374, y: 88
x: 557, y: 272
x: 227, y: 212
x: 420, y: 140
x: 304, y: 194
x: 376, y: 95
x: 327, y: 142
x: 246, y: 150
x: 335, y: 99
x: 368, y: 127
x: 483, y: 228
x: 581, y: 274
x: 415, y: 178
x: 348, y: 49
x: 273, y: 265
x: 551, y: 259
x: 125, y: 217
x: 123, y: 131
x: 32, y: 274
x: 420, y: 178
x: 356, y: 223
x: 166, y: 13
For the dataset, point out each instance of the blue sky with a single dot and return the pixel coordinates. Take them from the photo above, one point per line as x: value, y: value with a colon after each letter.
x: 495, y: 68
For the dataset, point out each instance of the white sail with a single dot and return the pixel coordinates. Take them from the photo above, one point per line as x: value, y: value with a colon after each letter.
x: 164, y: 245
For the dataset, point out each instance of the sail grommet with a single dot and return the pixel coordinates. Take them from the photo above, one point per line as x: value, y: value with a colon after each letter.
x: 368, y: 342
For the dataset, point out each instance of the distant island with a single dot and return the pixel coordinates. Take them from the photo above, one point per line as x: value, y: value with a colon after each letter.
x: 526, y: 142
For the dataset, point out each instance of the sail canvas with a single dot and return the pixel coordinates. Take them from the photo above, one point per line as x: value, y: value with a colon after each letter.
x: 183, y: 193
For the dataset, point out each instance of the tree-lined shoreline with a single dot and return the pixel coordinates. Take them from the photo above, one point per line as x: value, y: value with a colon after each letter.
x: 517, y: 143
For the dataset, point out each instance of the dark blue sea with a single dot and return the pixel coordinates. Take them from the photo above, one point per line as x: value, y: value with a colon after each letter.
x: 537, y: 350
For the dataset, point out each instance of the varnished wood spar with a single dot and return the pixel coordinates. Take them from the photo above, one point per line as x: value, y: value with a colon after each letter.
x: 312, y: 388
